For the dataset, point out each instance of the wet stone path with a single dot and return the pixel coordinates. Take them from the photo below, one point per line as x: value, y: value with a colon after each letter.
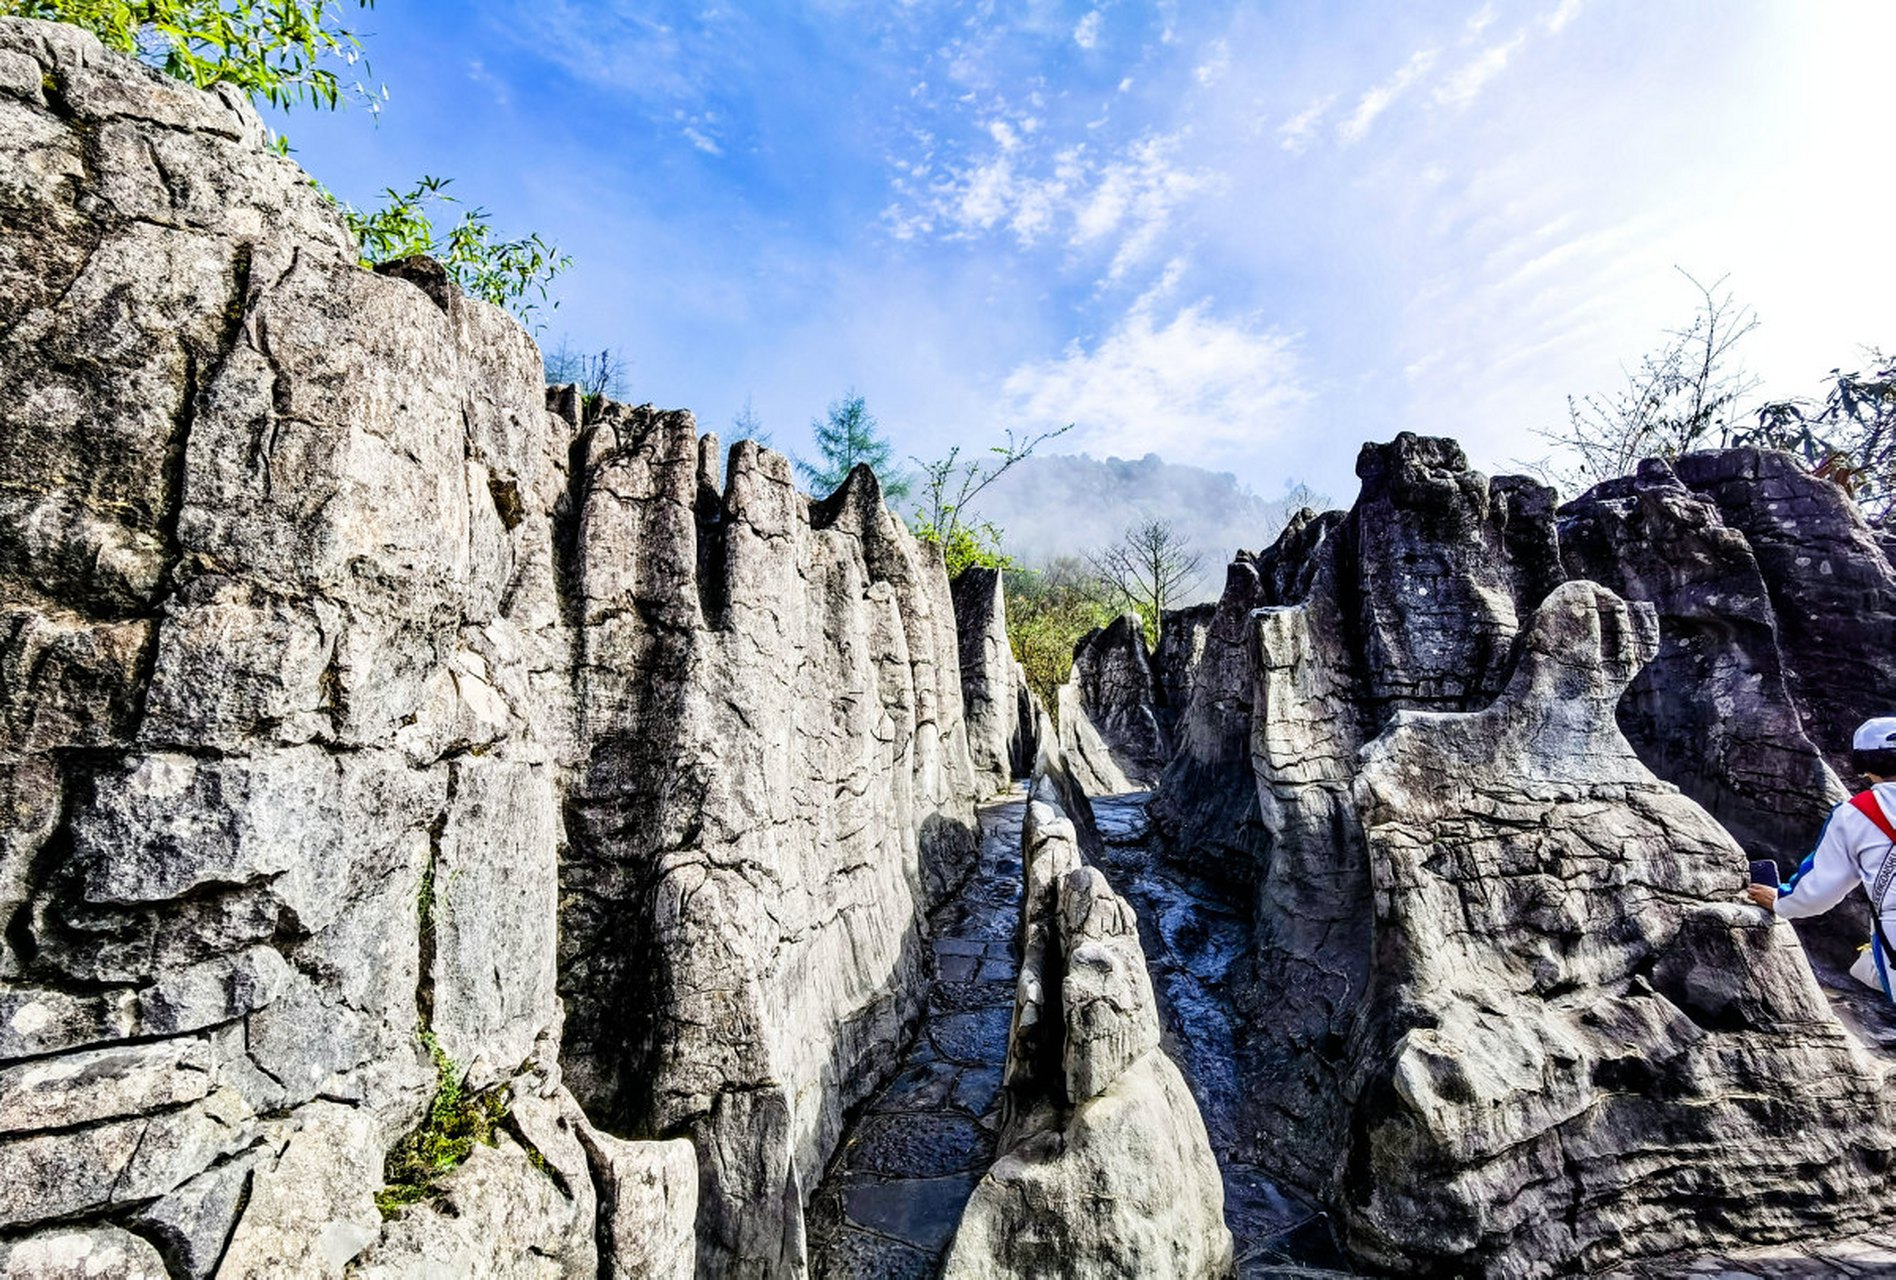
x: 1192, y: 939
x: 893, y: 1194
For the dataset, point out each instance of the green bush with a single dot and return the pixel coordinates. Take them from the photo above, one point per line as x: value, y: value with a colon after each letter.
x: 508, y: 273
x: 273, y: 51
x: 1048, y: 610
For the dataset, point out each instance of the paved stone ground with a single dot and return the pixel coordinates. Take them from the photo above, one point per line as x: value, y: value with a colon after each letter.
x: 894, y: 1191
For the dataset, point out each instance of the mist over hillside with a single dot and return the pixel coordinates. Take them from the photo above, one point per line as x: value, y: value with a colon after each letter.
x: 1066, y: 504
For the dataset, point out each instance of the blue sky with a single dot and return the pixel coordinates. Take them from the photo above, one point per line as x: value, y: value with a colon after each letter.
x: 1246, y: 236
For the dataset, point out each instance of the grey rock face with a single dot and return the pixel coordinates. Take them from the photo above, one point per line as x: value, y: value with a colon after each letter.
x: 1206, y: 804
x: 1175, y: 661
x: 1472, y: 898
x: 287, y: 720
x: 1106, y: 1169
x: 1089, y: 757
x: 1117, y: 688
x: 777, y: 789
x: 1829, y: 580
x: 1571, y: 1017
x: 1002, y: 728
x: 1741, y: 752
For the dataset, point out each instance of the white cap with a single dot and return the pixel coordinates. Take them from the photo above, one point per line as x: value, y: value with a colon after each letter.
x: 1875, y: 735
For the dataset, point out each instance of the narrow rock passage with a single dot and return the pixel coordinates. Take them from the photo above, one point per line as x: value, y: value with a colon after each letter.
x: 1192, y: 939
x: 893, y: 1195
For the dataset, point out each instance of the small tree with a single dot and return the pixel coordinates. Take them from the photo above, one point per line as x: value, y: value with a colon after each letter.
x: 1298, y: 496
x: 599, y: 375
x: 747, y: 425
x: 846, y: 437
x: 508, y: 273
x: 282, y: 52
x: 1684, y: 395
x: 949, y: 488
x: 1848, y: 437
x: 1147, y: 570
x: 279, y: 51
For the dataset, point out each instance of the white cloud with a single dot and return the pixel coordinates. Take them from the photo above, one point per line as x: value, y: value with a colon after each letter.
x: 1296, y: 133
x: 1563, y: 13
x: 477, y: 72
x: 1086, y: 31
x: 1462, y: 87
x: 1217, y: 62
x: 1003, y: 134
x: 1482, y: 20
x: 1377, y: 100
x: 1196, y: 389
x: 1124, y: 203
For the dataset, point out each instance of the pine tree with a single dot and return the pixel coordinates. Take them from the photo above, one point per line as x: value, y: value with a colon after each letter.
x: 849, y: 436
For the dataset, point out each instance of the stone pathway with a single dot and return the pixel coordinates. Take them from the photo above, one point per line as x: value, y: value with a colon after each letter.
x: 893, y: 1195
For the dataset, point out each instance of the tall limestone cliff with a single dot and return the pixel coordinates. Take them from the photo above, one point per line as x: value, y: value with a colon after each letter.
x: 778, y: 788
x: 354, y: 707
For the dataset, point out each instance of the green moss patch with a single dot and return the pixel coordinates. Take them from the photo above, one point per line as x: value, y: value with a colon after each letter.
x: 446, y: 1135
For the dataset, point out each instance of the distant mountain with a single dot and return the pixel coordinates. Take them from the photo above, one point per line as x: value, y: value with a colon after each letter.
x: 1066, y: 504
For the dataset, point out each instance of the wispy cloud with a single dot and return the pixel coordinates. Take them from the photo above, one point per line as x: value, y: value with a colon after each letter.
x: 1195, y: 388
x: 1378, y: 99
x: 1297, y: 133
x: 1216, y: 62
x: 1563, y: 13
x: 1466, y: 84
x: 1086, y: 31
x: 1123, y: 202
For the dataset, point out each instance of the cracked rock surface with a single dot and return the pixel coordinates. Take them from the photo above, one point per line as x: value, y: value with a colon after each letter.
x: 334, y: 668
x: 1507, y: 1013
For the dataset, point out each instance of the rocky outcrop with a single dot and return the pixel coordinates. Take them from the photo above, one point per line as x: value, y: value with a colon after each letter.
x: 1829, y: 580
x: 999, y: 706
x: 1712, y: 712
x: 1573, y: 1044
x: 1106, y: 1169
x: 777, y: 790
x: 1206, y: 809
x: 335, y: 668
x: 1183, y: 637
x: 1472, y: 900
x: 1112, y: 711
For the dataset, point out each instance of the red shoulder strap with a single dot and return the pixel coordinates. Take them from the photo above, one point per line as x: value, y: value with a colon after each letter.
x: 1864, y: 802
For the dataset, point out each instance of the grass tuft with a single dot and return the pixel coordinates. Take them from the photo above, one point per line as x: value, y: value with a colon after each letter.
x: 446, y: 1135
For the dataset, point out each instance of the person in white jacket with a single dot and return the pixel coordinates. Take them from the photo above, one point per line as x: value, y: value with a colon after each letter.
x: 1855, y: 848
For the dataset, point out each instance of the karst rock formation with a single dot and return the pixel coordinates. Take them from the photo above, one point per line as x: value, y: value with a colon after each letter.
x: 1506, y: 1008
x: 452, y: 827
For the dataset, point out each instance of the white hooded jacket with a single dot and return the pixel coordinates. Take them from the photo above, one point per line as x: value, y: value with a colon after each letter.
x: 1851, y: 851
